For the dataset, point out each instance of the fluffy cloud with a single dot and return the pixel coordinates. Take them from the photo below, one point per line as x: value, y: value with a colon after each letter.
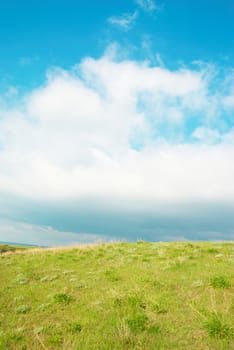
x: 116, y: 130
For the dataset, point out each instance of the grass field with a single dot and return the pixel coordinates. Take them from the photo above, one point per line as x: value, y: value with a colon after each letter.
x: 118, y: 296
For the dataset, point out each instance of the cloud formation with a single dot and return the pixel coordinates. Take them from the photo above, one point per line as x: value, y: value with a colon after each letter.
x: 126, y: 21
x: 121, y: 133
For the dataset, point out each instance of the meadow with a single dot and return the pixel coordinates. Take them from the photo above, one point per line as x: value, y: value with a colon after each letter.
x: 142, y: 295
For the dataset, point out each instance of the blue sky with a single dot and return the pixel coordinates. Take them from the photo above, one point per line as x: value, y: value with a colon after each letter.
x: 35, y: 35
x: 116, y: 120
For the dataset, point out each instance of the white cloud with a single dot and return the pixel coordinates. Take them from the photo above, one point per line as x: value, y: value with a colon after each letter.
x: 126, y: 21
x: 206, y: 135
x: 147, y: 5
x: 116, y: 131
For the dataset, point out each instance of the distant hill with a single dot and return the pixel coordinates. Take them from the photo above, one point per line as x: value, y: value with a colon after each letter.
x: 10, y: 246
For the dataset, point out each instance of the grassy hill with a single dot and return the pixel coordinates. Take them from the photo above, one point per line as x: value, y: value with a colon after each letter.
x: 118, y: 296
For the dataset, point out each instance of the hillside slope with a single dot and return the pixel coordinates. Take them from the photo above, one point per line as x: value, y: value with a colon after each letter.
x: 118, y: 296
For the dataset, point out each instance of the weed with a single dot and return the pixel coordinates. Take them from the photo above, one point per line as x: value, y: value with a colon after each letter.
x: 220, y: 282
x: 43, y: 307
x: 140, y: 241
x: 62, y: 298
x: 154, y: 329
x: 135, y: 301
x: 66, y: 272
x: 19, y: 329
x: 146, y: 259
x: 81, y: 285
x: 137, y: 322
x: 73, y: 279
x: 159, y: 308
x: 19, y: 298
x: 6, y: 248
x: 112, y: 275
x: 55, y: 339
x: 217, y: 328
x: 17, y: 337
x: 75, y: 327
x: 49, y: 278
x: 212, y: 251
x: 218, y: 256
x: 157, y: 284
x: 118, y: 301
x: 21, y: 279
x: 123, y: 333
x: 38, y: 330
x: 197, y: 283
x: 53, y: 278
x: 22, y: 309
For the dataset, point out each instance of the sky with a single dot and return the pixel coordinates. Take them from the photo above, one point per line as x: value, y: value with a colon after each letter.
x: 116, y: 121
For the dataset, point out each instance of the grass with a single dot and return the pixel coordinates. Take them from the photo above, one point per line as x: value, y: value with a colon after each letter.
x: 217, y: 328
x: 220, y: 282
x: 62, y: 298
x: 143, y: 296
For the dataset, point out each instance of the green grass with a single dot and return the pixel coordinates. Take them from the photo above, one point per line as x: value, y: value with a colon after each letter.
x: 143, y: 296
x: 220, y: 282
